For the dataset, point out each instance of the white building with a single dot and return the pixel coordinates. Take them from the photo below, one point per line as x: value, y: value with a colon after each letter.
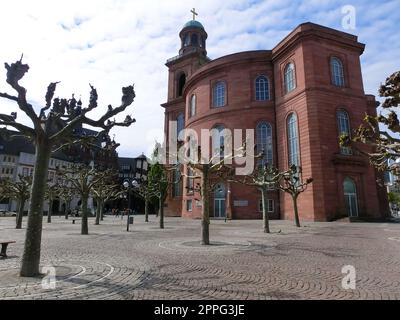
x: 17, y: 157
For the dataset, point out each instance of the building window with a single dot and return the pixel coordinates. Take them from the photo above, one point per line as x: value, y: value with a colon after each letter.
x: 293, y: 140
x: 219, y: 93
x: 350, y: 196
x: 187, y: 40
x: 344, y: 129
x: 181, y: 84
x: 180, y: 125
x: 289, y: 78
x: 190, y: 181
x: 264, y: 143
x: 177, y: 182
x: 262, y: 88
x: 195, y: 40
x: 189, y: 205
x: 337, y: 72
x: 192, y: 109
x: 270, y: 205
x: 218, y: 141
x: 25, y: 172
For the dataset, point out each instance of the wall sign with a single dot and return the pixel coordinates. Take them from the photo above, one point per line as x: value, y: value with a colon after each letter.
x: 241, y: 203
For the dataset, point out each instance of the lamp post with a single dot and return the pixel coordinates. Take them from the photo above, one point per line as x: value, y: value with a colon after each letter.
x: 129, y: 184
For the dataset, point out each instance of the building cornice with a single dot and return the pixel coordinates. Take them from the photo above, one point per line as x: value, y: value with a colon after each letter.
x: 310, y: 30
x: 228, y: 61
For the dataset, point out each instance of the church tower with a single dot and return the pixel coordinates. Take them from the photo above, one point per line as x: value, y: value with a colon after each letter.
x: 192, y: 55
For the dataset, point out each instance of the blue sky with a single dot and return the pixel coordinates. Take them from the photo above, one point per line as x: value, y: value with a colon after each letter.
x: 113, y: 43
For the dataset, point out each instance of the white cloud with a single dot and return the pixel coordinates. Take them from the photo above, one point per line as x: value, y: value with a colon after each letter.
x: 114, y: 43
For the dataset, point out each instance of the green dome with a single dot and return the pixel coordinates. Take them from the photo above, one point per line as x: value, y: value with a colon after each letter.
x: 193, y: 24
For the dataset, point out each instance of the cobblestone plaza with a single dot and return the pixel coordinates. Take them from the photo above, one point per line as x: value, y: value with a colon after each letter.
x: 241, y: 263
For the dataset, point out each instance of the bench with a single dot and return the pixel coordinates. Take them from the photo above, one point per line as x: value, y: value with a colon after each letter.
x: 4, y: 245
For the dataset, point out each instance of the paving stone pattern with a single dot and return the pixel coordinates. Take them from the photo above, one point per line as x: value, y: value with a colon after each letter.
x: 241, y: 263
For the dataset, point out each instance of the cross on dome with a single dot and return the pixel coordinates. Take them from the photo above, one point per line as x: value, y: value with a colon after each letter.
x: 194, y: 13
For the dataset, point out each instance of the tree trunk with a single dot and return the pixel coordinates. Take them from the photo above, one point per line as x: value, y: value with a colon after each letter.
x: 84, y: 225
x: 20, y: 213
x: 296, y: 211
x: 49, y: 213
x: 146, y: 209
x: 102, y: 213
x: 67, y: 208
x: 205, y: 222
x: 98, y: 212
x: 265, y: 210
x: 31, y: 256
x: 161, y: 210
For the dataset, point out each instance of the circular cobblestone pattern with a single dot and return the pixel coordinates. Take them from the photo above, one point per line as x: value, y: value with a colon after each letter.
x: 241, y: 263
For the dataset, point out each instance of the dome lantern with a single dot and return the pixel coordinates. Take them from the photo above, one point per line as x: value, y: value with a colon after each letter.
x: 193, y: 36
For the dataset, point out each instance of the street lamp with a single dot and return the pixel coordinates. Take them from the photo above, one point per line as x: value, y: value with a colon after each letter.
x: 129, y: 184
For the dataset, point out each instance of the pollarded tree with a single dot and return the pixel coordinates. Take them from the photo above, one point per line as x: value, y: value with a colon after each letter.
x: 291, y: 182
x: 384, y: 145
x: 210, y: 172
x: 265, y: 179
x: 53, y: 127
x: 20, y: 191
x: 82, y: 179
x: 105, y: 190
x: 52, y: 192
x: 146, y: 193
x: 66, y: 195
x: 158, y: 182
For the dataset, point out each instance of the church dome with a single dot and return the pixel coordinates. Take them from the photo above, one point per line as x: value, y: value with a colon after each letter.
x: 193, y: 24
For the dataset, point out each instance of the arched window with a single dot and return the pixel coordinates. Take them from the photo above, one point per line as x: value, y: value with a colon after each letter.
x: 337, y: 72
x: 181, y: 84
x: 264, y: 143
x: 262, y: 88
x: 293, y: 140
x: 190, y: 180
x: 195, y: 40
x: 177, y: 182
x: 219, y: 93
x: 180, y: 124
x: 202, y: 42
x: 192, y: 109
x: 289, y: 77
x: 187, y: 40
x: 218, y: 141
x: 344, y: 129
x: 350, y: 196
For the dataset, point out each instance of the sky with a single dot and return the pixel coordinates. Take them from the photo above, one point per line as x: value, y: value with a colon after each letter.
x: 115, y: 43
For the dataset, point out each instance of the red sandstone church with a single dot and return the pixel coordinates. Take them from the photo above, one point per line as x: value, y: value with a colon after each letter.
x: 298, y: 97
